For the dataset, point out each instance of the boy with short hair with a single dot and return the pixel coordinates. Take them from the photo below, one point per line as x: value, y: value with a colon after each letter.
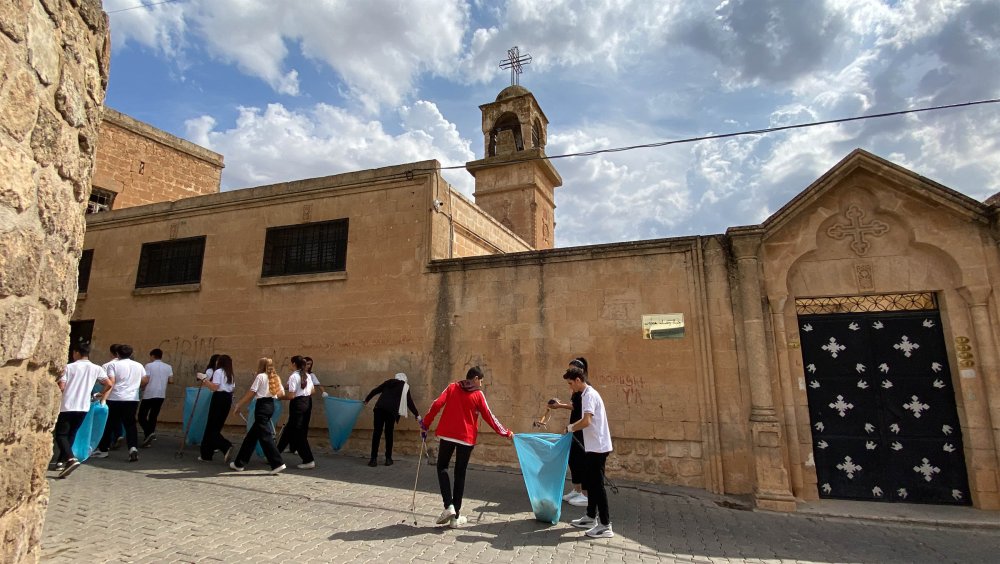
x: 76, y: 384
x: 153, y: 393
x: 597, y: 447
x: 123, y: 401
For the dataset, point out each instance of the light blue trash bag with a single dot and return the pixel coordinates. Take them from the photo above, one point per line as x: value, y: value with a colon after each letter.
x: 275, y: 417
x: 91, y: 431
x: 544, y: 458
x: 196, y: 426
x: 341, y: 415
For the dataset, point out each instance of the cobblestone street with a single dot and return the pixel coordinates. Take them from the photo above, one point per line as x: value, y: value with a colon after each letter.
x: 165, y: 510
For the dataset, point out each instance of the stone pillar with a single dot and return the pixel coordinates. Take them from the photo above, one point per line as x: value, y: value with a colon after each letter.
x: 54, y: 64
x: 771, y: 485
x: 786, y: 377
x: 987, y: 369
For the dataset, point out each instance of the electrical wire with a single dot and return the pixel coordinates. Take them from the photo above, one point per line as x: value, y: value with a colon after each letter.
x: 140, y: 6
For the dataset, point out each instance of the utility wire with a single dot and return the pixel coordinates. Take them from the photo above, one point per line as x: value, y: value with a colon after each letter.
x: 140, y: 6
x: 739, y: 133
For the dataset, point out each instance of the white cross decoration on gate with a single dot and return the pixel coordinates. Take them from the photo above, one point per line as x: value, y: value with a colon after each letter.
x: 927, y: 470
x: 906, y: 346
x: 833, y: 347
x: 849, y: 467
x: 916, y: 406
x: 842, y: 406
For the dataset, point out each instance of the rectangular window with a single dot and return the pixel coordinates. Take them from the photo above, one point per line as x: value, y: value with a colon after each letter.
x: 100, y: 200
x: 83, y: 272
x: 170, y: 263
x: 305, y: 249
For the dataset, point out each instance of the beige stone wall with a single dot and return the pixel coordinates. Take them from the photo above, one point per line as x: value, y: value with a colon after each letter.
x: 54, y: 62
x: 478, y: 233
x: 144, y: 165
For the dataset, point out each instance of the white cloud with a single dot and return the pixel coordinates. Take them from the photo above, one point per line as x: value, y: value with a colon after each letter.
x: 278, y: 144
x: 161, y: 27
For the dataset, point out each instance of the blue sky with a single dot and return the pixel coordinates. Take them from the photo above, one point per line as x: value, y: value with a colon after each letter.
x: 302, y: 88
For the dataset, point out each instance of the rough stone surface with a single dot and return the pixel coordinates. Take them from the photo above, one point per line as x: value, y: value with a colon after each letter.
x: 53, y: 61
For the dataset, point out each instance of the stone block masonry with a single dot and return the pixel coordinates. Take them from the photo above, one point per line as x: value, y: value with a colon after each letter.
x: 54, y: 66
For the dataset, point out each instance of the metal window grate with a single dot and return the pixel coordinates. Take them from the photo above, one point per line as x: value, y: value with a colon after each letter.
x: 862, y: 304
x: 169, y: 263
x: 100, y: 200
x: 83, y: 272
x: 305, y: 249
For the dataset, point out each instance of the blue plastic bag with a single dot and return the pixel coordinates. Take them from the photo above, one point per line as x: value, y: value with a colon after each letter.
x: 544, y: 458
x: 196, y: 425
x: 91, y: 431
x: 275, y: 417
x: 341, y: 415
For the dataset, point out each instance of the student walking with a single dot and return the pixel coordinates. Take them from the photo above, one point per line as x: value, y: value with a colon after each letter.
x: 393, y: 401
x: 296, y: 430
x: 116, y: 438
x: 597, y: 447
x: 463, y: 403
x: 160, y: 374
x: 221, y: 381
x: 123, y: 401
x: 76, y: 384
x: 576, y: 496
x: 267, y: 389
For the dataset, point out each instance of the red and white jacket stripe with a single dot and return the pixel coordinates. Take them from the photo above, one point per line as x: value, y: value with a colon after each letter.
x: 463, y: 403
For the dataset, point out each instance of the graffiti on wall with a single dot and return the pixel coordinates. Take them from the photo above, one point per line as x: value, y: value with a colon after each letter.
x: 631, y: 387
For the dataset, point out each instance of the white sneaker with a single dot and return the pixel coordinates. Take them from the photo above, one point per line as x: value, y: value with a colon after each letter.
x: 234, y: 466
x: 584, y: 522
x: 278, y: 470
x: 458, y: 522
x: 307, y: 465
x: 99, y: 454
x: 600, y: 531
x: 570, y: 495
x: 579, y: 500
x: 447, y: 515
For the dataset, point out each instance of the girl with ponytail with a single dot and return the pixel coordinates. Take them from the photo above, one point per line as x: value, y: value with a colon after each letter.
x: 218, y: 378
x: 267, y: 389
x: 296, y: 431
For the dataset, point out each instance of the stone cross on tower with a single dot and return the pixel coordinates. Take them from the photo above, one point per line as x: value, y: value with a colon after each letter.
x: 514, y: 61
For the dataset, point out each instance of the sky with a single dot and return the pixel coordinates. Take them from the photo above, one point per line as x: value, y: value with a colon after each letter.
x: 296, y: 89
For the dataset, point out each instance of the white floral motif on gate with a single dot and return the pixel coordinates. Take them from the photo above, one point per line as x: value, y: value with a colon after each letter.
x: 916, y: 406
x: 842, y: 406
x: 927, y: 470
x: 849, y: 467
x: 833, y: 347
x: 906, y: 346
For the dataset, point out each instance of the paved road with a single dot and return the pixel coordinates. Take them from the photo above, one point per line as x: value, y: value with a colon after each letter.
x: 165, y: 510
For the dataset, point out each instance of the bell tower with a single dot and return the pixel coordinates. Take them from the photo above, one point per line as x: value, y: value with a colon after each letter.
x: 515, y: 182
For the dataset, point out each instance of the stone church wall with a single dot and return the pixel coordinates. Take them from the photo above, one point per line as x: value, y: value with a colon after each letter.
x: 144, y: 165
x: 54, y: 63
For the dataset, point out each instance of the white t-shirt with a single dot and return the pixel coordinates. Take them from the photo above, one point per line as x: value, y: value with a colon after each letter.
x: 314, y: 379
x: 128, y: 375
x: 261, y: 389
x: 218, y: 377
x: 79, y: 377
x: 597, y: 435
x: 159, y: 373
x: 106, y: 367
x: 296, y: 388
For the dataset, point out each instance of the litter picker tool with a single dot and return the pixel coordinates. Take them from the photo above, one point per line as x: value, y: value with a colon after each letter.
x: 416, y: 480
x: 543, y: 421
x: 185, y: 429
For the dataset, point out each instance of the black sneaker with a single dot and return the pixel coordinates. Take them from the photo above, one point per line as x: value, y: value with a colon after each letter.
x: 388, y: 462
x: 372, y: 463
x: 73, y: 464
x: 148, y: 441
x: 57, y: 466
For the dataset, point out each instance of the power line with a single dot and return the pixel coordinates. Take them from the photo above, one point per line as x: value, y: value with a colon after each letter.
x: 743, y: 133
x: 140, y: 6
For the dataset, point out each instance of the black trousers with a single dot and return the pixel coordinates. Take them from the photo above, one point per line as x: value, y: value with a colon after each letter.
x: 385, y: 420
x: 149, y: 411
x: 593, y: 482
x: 577, y: 460
x: 218, y: 411
x: 261, y: 431
x: 120, y: 413
x: 67, y: 425
x: 296, y: 431
x: 462, y: 454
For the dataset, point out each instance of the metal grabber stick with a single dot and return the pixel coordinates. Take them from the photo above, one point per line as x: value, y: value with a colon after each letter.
x: 416, y: 480
x: 187, y: 428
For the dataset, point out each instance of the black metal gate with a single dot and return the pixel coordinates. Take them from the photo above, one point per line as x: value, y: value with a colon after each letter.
x: 882, y: 408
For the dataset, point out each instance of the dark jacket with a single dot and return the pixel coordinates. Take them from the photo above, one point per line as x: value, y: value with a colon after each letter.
x: 391, y: 391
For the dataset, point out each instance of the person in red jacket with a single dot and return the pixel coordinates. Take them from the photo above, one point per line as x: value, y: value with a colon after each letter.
x: 463, y: 404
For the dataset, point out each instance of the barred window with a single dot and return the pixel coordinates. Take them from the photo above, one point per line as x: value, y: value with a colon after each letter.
x: 170, y: 263
x: 100, y: 200
x: 305, y: 249
x: 83, y: 272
